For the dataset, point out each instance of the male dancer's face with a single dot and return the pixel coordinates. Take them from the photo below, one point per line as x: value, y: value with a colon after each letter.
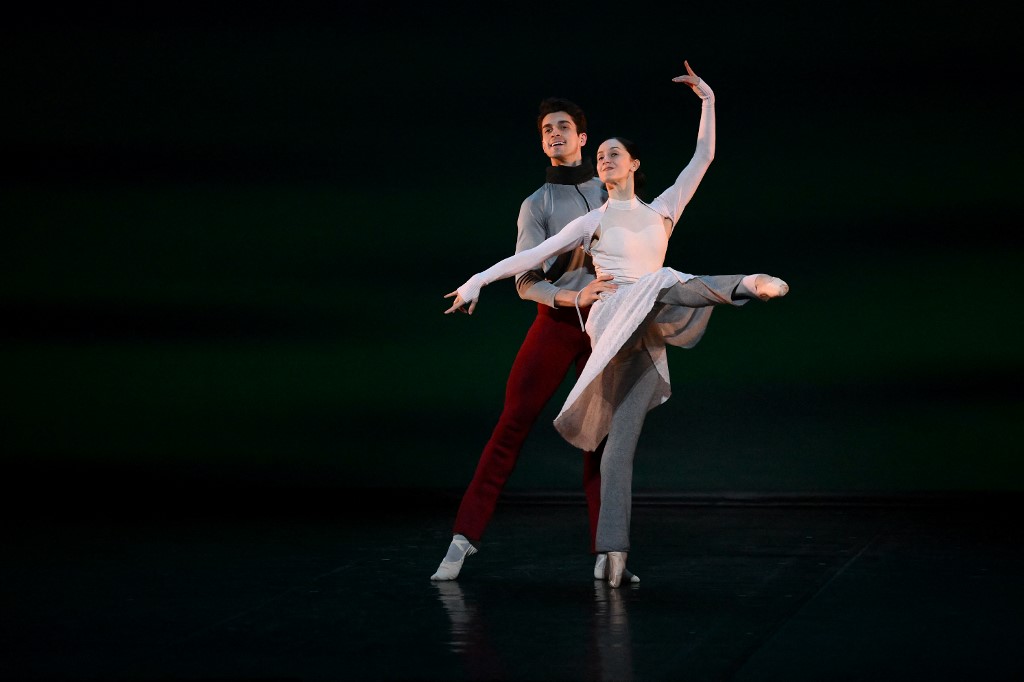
x: 558, y: 136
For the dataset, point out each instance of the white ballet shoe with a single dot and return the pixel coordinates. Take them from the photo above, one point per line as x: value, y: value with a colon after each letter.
x: 616, y: 567
x: 601, y: 569
x: 768, y: 287
x: 452, y: 563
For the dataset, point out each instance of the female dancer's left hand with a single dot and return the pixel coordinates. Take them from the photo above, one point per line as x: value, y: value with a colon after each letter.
x: 690, y: 79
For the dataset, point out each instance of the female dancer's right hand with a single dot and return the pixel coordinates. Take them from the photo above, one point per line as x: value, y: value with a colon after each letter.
x: 459, y: 304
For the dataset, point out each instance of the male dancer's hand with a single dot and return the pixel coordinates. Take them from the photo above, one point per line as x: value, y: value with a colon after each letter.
x: 592, y: 292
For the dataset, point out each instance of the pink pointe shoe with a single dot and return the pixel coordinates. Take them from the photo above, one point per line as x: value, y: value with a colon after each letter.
x: 616, y: 567
x: 601, y: 570
x: 767, y: 287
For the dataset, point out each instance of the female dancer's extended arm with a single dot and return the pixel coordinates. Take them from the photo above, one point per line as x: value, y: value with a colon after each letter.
x: 567, y: 239
x: 673, y: 200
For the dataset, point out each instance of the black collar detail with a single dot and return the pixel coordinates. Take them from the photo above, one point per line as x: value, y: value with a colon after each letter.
x: 570, y: 175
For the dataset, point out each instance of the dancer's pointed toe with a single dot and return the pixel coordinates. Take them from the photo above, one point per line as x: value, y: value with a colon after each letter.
x: 601, y: 570
x: 768, y: 287
x: 616, y: 567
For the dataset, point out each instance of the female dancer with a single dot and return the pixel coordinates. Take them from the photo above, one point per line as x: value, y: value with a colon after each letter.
x: 627, y: 373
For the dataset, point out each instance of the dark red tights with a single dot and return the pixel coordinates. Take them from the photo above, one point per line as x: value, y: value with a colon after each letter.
x: 553, y: 344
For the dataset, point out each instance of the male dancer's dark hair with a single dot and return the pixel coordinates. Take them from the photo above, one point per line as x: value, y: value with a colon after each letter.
x: 553, y: 104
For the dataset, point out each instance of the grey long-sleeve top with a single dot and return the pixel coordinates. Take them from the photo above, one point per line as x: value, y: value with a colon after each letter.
x: 568, y: 193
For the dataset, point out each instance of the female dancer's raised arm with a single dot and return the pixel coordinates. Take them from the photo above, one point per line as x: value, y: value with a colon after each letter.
x: 673, y: 200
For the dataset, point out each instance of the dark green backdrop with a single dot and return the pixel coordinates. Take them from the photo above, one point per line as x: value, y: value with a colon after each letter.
x: 228, y: 230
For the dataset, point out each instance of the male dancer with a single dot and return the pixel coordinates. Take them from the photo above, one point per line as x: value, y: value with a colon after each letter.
x: 563, y: 291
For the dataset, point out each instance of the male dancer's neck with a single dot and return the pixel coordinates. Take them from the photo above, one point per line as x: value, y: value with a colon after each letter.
x: 570, y: 175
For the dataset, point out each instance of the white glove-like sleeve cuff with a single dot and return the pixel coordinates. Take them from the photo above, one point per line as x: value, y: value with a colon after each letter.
x: 470, y: 291
x: 704, y: 91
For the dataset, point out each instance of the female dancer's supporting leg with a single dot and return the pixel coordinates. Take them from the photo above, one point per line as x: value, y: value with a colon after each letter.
x: 634, y: 367
x: 632, y: 374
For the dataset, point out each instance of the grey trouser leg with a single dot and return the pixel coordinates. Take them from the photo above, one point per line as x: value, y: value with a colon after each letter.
x: 633, y: 367
x: 705, y: 290
x: 636, y: 368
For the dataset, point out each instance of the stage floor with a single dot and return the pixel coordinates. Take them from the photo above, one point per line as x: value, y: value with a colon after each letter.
x: 846, y: 591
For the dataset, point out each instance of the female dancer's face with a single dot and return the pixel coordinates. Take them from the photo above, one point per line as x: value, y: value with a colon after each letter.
x: 614, y: 164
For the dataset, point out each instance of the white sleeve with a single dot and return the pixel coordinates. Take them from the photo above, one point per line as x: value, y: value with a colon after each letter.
x: 673, y: 200
x: 567, y: 239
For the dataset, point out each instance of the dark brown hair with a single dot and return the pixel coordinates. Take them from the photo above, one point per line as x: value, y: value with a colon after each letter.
x: 553, y: 104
